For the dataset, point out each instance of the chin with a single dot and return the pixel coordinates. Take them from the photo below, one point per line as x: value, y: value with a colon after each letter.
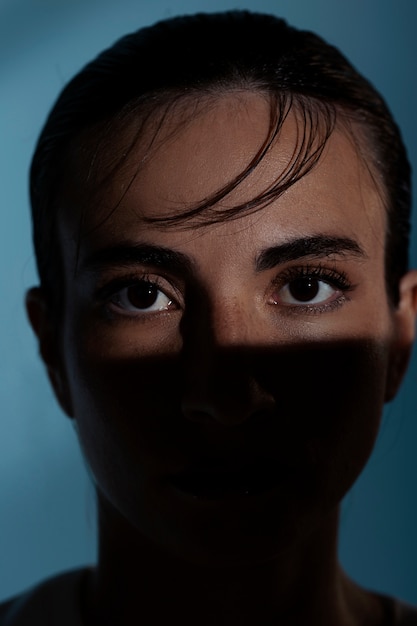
x: 233, y: 529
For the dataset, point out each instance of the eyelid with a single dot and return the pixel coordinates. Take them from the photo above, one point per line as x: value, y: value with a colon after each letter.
x: 116, y: 280
x: 336, y: 278
x: 322, y: 272
x: 104, y: 293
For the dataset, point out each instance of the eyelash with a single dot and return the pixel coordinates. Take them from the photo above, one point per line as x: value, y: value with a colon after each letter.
x: 334, y: 278
x: 107, y: 294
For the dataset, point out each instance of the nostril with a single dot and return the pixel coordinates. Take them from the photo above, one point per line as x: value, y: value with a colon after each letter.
x: 224, y: 387
x: 198, y: 415
x: 239, y: 405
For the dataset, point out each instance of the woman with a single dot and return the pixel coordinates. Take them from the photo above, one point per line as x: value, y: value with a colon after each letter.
x: 221, y: 213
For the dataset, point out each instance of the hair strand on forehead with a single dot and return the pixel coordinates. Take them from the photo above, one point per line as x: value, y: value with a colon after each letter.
x: 132, y: 80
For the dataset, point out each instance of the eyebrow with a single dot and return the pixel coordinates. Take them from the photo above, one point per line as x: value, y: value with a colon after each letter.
x: 317, y: 246
x: 127, y: 254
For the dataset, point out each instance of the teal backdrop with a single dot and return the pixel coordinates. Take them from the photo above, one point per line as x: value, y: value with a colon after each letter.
x: 47, y: 517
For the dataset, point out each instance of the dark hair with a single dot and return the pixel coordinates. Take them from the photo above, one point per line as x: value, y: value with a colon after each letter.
x: 204, y: 55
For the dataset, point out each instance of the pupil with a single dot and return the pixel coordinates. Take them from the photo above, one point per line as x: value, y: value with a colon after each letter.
x: 304, y: 289
x: 142, y: 295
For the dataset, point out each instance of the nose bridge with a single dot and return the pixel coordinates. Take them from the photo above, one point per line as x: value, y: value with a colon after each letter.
x: 213, y: 333
x: 222, y: 300
x: 229, y: 321
x: 218, y: 363
x: 219, y: 322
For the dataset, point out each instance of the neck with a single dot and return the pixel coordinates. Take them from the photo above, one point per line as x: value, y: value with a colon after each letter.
x: 135, y: 582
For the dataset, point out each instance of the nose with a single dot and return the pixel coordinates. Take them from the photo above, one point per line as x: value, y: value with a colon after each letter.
x: 220, y: 356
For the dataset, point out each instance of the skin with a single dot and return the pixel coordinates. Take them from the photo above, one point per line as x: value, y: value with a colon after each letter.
x: 225, y: 371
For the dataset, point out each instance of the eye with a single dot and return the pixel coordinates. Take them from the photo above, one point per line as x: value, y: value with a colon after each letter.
x: 316, y: 289
x: 306, y: 290
x: 143, y: 296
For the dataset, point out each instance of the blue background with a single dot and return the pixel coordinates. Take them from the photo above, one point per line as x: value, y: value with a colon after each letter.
x: 47, y: 514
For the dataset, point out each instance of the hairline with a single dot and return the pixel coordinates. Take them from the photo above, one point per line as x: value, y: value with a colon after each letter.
x: 154, y: 107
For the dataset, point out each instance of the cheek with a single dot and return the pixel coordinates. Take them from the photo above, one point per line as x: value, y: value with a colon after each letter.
x: 331, y: 399
x: 328, y: 398
x: 132, y: 406
x: 123, y: 403
x: 328, y: 401
x: 131, y: 433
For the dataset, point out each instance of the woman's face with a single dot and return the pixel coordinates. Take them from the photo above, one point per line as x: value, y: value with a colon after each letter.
x: 227, y: 381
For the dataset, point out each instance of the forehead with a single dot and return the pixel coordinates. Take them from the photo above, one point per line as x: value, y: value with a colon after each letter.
x: 186, y: 156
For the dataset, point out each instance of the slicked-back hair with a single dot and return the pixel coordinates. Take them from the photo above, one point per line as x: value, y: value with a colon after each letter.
x: 199, y: 57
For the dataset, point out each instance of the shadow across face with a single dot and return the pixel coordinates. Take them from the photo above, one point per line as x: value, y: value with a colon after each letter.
x: 245, y: 452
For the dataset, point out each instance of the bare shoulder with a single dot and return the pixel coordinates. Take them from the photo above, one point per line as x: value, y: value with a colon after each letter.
x: 56, y: 600
x: 369, y: 608
x: 403, y: 614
